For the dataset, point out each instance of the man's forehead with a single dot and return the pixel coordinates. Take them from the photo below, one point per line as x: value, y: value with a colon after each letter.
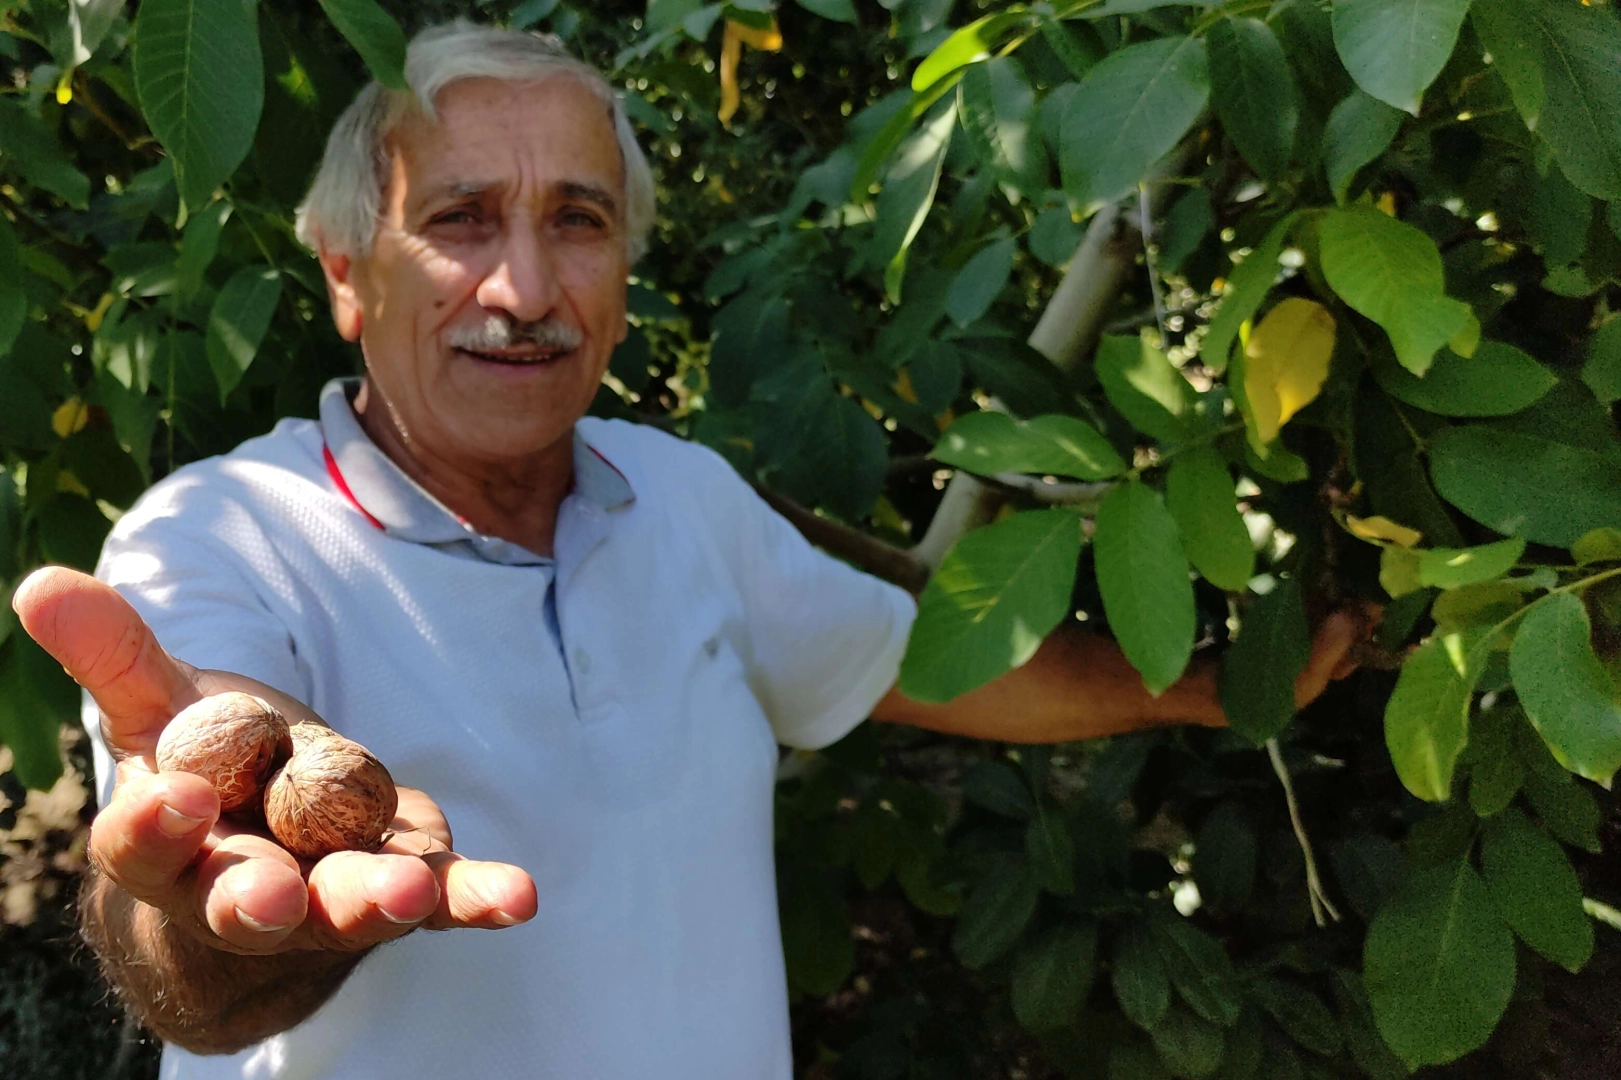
x: 488, y: 130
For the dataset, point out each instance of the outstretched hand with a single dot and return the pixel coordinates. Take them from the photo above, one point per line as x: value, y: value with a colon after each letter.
x: 160, y: 836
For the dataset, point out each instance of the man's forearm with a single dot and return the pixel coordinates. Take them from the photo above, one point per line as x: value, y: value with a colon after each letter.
x: 200, y: 998
x: 1077, y: 686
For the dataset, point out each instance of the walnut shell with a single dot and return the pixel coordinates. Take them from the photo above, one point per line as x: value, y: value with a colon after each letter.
x: 232, y: 740
x: 332, y: 795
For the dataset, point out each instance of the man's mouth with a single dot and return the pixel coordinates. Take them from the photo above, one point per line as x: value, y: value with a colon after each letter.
x: 515, y: 357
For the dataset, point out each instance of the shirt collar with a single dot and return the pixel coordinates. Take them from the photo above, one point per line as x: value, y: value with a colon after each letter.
x: 401, y: 507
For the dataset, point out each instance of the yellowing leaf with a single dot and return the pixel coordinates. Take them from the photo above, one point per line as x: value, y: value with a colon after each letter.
x: 66, y: 481
x: 1382, y: 529
x: 731, y: 51
x: 92, y: 319
x: 904, y: 388
x: 1285, y: 363
x: 69, y: 417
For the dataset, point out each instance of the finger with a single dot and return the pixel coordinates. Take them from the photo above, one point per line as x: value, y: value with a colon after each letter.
x: 479, y: 895
x: 151, y: 831
x: 358, y: 900
x: 418, y: 813
x: 250, y: 893
x: 1330, y: 646
x: 109, y: 650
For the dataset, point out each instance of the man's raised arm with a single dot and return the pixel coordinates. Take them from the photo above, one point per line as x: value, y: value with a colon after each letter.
x: 1080, y: 685
x: 218, y: 937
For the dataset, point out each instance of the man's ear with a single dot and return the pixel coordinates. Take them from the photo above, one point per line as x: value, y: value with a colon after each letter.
x: 340, y: 290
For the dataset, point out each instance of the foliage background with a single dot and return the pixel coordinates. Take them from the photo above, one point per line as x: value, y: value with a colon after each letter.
x: 841, y: 297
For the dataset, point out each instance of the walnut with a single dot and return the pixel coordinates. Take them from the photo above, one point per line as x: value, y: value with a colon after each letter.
x: 332, y: 795
x: 232, y: 740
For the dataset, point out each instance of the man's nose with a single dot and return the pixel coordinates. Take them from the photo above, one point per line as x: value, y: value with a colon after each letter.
x: 524, y: 281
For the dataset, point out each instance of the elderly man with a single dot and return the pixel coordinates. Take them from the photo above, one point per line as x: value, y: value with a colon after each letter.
x: 584, y: 639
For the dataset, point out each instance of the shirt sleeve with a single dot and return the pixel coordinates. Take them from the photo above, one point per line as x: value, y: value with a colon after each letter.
x: 199, y: 598
x: 826, y: 639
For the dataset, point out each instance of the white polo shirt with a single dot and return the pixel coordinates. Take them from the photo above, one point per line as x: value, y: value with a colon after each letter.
x: 607, y: 719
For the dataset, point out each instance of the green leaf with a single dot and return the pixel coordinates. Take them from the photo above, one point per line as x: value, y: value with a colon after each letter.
x: 1224, y: 858
x: 995, y: 914
x: 375, y: 36
x: 1369, y: 868
x: 1254, y: 92
x: 1145, y: 387
x: 1496, y: 769
x: 997, y: 594
x: 1143, y: 578
x: 997, y: 787
x: 1370, y: 1052
x: 1190, y: 1046
x: 908, y: 194
x: 998, y: 109
x: 1259, y: 671
x: 1139, y: 980
x: 1525, y: 485
x: 1051, y: 852
x: 238, y: 321
x: 1200, y: 494
x: 1516, y: 52
x: 1536, y: 890
x: 837, y: 10
x: 1602, y: 372
x: 988, y: 443
x: 979, y: 281
x: 1427, y: 716
x: 1247, y: 287
x: 530, y: 12
x: 71, y: 530
x: 1394, y: 49
x: 1498, y: 380
x: 1135, y: 1059
x: 1128, y: 112
x: 1600, y: 545
x: 1564, y: 687
x: 1358, y: 130
x: 1200, y: 970
x: 200, y: 77
x: 1300, y: 1013
x: 1581, y: 111
x: 28, y: 725
x: 1450, y: 568
x: 13, y: 298
x: 199, y: 243
x: 1439, y: 966
x: 1391, y: 272
x: 1052, y: 979
x: 970, y: 44
x: 30, y: 148
x: 816, y: 943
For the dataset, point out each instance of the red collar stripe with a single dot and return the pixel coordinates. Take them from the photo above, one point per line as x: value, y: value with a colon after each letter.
x: 343, y: 486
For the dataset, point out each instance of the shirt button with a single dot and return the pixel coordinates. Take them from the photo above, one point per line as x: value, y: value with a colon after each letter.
x: 582, y: 661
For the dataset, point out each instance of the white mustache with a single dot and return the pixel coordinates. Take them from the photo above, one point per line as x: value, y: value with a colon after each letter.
x: 501, y: 332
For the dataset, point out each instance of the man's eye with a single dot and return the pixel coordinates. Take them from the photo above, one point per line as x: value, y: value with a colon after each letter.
x: 582, y: 218
x: 455, y: 217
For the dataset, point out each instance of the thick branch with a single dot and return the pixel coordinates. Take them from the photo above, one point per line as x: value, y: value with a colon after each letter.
x: 865, y: 552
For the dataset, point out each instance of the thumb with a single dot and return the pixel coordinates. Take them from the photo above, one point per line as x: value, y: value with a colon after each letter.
x: 108, y: 649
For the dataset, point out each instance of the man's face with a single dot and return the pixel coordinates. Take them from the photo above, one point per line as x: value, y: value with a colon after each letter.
x: 495, y: 291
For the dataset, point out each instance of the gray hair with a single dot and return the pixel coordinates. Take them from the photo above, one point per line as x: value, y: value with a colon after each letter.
x: 342, y: 207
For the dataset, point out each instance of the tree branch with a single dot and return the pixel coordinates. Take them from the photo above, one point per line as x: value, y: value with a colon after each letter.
x: 868, y: 553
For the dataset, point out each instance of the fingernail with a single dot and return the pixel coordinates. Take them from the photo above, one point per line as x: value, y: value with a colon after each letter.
x: 499, y: 916
x: 174, y: 823
x: 255, y: 925
x: 393, y: 918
